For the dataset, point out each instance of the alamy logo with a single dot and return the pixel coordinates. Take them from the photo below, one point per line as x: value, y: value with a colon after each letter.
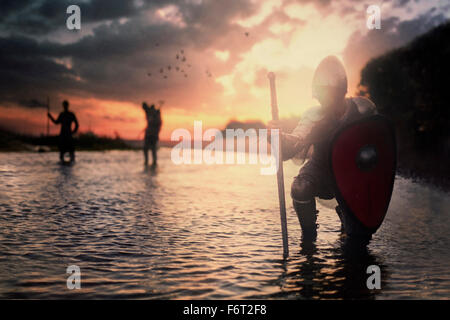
x: 73, y: 22
x: 374, y: 281
x: 74, y: 280
x: 374, y: 17
x: 214, y: 152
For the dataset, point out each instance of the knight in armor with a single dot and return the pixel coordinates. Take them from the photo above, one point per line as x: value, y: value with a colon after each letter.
x: 315, y: 131
x: 154, y: 123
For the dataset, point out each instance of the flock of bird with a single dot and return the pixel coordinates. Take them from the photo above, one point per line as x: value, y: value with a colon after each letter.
x: 180, y: 66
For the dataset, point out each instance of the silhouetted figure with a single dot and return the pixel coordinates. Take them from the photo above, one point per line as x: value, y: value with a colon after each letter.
x: 66, y: 118
x: 154, y: 123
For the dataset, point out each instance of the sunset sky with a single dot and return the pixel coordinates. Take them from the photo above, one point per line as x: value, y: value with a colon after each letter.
x: 114, y: 62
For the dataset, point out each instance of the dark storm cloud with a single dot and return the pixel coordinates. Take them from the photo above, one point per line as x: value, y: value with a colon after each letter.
x: 409, y: 29
x: 33, y: 103
x: 401, y: 3
x: 43, y: 16
x: 9, y: 6
x: 28, y: 72
x: 112, y: 62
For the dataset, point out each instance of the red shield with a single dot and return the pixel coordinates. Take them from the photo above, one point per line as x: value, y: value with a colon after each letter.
x: 363, y: 162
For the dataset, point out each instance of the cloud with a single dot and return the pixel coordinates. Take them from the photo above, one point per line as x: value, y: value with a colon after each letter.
x: 28, y: 73
x: 114, y: 61
x: 120, y: 119
x: 43, y: 16
x: 33, y: 103
x: 361, y: 47
x: 228, y: 46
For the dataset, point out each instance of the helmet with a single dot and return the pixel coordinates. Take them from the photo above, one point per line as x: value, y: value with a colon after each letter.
x: 330, y: 73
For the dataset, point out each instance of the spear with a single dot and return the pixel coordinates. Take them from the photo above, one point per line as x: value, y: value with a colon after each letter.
x: 280, y: 177
x: 48, y: 119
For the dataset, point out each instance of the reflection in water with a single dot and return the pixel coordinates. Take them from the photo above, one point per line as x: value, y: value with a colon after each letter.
x: 355, y: 257
x: 334, y: 273
x: 64, y: 178
x: 199, y: 232
x: 152, y: 170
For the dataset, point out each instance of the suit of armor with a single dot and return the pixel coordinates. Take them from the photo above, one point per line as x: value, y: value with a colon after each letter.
x: 315, y: 130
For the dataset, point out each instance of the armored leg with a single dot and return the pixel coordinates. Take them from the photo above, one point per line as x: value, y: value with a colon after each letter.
x: 302, y: 193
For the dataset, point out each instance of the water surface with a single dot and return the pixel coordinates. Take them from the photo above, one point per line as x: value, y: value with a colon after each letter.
x: 200, y: 232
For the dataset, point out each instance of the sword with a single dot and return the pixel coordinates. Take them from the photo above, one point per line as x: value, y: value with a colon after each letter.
x: 280, y: 177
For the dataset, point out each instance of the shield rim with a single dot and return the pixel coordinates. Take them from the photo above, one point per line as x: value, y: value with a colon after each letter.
x: 339, y: 198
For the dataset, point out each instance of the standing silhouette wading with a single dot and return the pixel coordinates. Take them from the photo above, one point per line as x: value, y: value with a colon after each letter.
x: 154, y: 123
x: 65, y: 119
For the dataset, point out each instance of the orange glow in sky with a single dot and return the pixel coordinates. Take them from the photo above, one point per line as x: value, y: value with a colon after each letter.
x: 227, y: 77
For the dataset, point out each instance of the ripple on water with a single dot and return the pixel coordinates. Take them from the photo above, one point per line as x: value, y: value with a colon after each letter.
x: 199, y: 232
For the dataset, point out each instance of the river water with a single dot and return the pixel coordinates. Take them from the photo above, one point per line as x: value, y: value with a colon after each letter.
x: 200, y: 232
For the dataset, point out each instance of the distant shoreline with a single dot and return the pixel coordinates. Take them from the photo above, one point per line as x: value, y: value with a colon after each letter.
x: 424, y: 168
x: 435, y: 179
